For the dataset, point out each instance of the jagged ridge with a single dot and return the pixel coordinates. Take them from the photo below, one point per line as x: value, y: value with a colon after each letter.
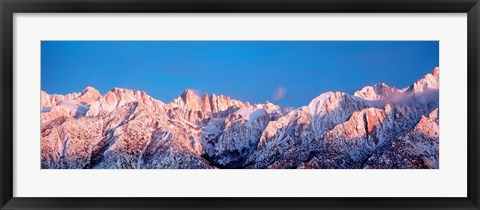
x: 377, y: 127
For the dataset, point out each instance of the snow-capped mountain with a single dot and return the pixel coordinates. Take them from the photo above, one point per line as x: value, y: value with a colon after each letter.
x: 378, y: 126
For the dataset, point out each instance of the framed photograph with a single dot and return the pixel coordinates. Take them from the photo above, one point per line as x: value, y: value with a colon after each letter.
x: 239, y: 105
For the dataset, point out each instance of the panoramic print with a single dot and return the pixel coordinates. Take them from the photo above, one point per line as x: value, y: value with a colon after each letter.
x: 239, y: 105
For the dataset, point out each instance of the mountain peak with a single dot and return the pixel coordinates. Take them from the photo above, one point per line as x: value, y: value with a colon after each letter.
x: 428, y: 82
x: 89, y: 88
x: 188, y: 100
x: 88, y: 95
x: 187, y: 93
x: 436, y: 71
x: 117, y: 89
x: 190, y: 96
x: 377, y: 92
x: 323, y: 97
x: 316, y: 104
x: 381, y: 85
x: 124, y: 92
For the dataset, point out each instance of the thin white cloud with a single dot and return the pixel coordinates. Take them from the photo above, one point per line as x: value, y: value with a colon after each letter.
x: 280, y: 93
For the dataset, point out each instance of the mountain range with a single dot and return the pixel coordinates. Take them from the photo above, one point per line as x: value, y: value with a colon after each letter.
x: 378, y: 127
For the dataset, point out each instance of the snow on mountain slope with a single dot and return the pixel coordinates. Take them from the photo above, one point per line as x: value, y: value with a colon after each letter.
x: 377, y: 127
x: 380, y: 92
x: 237, y: 137
x: 47, y: 100
x: 285, y: 142
x: 118, y: 97
x: 417, y: 148
x: 88, y: 96
x: 330, y: 109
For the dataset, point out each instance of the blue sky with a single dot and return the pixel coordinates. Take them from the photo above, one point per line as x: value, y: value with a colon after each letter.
x: 288, y: 73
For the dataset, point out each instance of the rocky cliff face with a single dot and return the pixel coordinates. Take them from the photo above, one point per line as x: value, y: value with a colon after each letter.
x: 377, y: 127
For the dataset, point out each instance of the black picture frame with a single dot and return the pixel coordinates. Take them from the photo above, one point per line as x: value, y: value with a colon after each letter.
x: 9, y: 7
